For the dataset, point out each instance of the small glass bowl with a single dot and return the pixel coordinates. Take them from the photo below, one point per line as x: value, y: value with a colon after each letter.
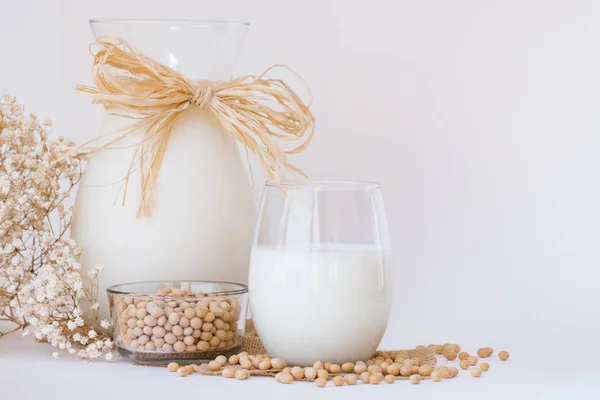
x: 164, y: 321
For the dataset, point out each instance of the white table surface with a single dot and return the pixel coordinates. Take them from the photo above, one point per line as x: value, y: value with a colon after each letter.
x: 28, y: 371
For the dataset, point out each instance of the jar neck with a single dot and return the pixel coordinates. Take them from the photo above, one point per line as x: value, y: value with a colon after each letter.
x: 197, y: 49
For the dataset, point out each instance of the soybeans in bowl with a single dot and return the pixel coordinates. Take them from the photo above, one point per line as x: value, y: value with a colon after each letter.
x: 163, y: 321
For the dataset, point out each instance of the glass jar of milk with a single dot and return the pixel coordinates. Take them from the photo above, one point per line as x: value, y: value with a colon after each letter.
x: 318, y: 283
x: 194, y: 233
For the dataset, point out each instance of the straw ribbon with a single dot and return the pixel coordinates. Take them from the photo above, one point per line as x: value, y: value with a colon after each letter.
x: 203, y: 95
x: 257, y: 110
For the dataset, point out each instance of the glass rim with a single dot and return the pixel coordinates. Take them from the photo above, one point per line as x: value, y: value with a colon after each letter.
x: 331, y: 185
x: 114, y: 289
x: 168, y: 21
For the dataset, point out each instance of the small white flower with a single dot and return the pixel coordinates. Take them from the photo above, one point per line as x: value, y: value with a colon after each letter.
x: 83, y: 340
x: 72, y: 351
x: 92, y: 334
x: 109, y: 356
x: 105, y: 324
x: 95, y: 307
x: 92, y: 352
x: 71, y: 325
x: 56, y: 354
x: 99, y: 268
x: 77, y: 337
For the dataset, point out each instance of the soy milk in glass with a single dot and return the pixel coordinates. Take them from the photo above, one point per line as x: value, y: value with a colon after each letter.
x: 318, y: 283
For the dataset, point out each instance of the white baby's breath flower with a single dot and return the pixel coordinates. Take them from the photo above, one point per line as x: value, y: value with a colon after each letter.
x: 109, y: 356
x: 56, y: 354
x: 40, y: 282
x: 92, y: 352
x: 105, y: 324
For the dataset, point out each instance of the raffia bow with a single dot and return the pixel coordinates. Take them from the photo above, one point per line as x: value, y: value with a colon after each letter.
x: 257, y: 110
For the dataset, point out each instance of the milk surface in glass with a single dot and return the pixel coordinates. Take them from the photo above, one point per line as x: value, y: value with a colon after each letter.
x: 327, y: 302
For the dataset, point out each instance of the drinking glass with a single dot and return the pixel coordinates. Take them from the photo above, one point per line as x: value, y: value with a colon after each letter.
x: 318, y: 283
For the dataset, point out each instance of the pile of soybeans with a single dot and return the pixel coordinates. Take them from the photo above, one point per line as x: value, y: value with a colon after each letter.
x: 176, y: 322
x: 383, y: 366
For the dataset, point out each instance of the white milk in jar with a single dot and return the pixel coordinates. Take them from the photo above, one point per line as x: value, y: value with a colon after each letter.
x: 327, y: 302
x: 202, y: 204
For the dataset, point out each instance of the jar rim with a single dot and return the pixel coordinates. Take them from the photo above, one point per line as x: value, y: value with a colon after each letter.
x: 118, y: 289
x: 309, y: 184
x: 167, y: 21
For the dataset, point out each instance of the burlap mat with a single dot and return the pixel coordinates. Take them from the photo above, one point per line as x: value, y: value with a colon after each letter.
x: 253, y: 346
x: 251, y: 343
x: 425, y: 356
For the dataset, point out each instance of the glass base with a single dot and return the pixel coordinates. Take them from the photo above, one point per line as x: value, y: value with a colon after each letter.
x: 158, y: 358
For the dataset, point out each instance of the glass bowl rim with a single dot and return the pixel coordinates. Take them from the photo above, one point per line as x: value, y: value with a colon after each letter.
x: 314, y: 184
x: 168, y: 21
x: 114, y: 289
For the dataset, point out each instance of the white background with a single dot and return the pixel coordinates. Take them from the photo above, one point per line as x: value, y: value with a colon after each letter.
x: 480, y: 119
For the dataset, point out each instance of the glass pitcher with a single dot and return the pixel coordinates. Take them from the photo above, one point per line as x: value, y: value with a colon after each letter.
x: 203, y: 213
